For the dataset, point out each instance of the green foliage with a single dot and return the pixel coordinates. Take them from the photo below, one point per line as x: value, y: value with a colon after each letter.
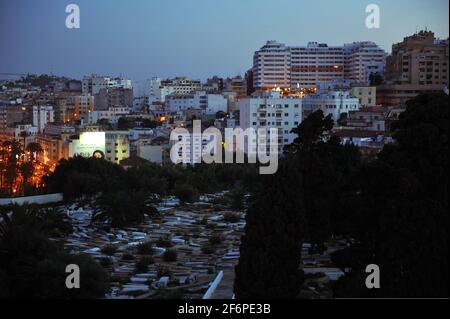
x: 186, y: 193
x: 170, y: 255
x: 164, y: 242
x: 127, y: 257
x: 146, y: 123
x: 215, y: 240
x: 121, y: 208
x: 294, y: 205
x: 143, y: 263
x: 208, y: 249
x: 399, y: 214
x: 231, y: 217
x: 85, y: 177
x: 376, y: 79
x: 79, y: 176
x: 163, y: 271
x: 109, y: 250
x: 237, y: 198
x: 145, y: 248
x: 33, y: 267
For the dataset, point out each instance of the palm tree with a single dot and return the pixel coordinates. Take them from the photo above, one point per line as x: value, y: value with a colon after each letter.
x: 26, y: 170
x: 11, y: 175
x: 34, y: 149
x: 13, y: 150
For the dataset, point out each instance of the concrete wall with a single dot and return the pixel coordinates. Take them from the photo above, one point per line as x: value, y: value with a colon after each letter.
x: 40, y: 199
x: 213, y: 286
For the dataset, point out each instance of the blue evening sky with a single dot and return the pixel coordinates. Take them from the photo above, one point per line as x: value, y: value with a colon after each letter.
x: 195, y: 38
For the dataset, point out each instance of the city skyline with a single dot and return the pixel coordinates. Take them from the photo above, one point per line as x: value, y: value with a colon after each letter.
x: 161, y: 41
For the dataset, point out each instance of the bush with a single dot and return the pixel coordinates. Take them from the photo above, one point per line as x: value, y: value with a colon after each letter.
x: 215, y: 240
x: 105, y: 262
x: 170, y: 255
x: 164, y: 242
x: 231, y: 218
x: 127, y: 257
x: 163, y: 271
x: 143, y: 263
x: 145, y: 248
x: 186, y: 193
x: 204, y: 221
x: 211, y: 226
x: 208, y: 249
x: 109, y: 250
x: 237, y: 199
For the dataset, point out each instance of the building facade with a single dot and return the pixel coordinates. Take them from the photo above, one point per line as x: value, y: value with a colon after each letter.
x: 42, y: 115
x: 271, y: 111
x: 363, y: 59
x: 332, y: 103
x: 276, y: 65
x: 418, y: 64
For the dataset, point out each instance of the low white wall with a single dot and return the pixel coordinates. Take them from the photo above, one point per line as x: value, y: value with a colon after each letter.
x: 213, y: 286
x: 40, y: 199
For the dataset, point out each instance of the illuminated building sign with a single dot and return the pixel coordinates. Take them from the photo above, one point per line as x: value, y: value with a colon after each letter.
x: 90, y: 144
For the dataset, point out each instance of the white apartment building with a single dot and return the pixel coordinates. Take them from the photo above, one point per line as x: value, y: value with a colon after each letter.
x: 332, y: 102
x: 191, y: 146
x: 271, y: 111
x: 315, y: 63
x: 158, y: 92
x: 112, y: 114
x: 272, y: 66
x: 17, y: 133
x: 278, y: 65
x: 366, y: 94
x: 43, y: 115
x: 94, y: 83
x: 117, y: 146
x: 182, y: 85
x: 210, y: 104
x: 362, y: 59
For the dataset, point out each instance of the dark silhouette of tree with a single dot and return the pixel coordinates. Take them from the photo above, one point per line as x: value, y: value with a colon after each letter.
x: 122, y: 208
x: 149, y: 123
x: 270, y: 250
x: 32, y: 266
x: 34, y: 149
x: 399, y: 216
x: 376, y: 79
x: 292, y: 206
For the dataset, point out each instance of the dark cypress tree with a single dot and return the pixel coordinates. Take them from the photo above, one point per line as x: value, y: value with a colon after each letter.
x: 293, y: 205
x: 399, y: 217
x: 271, y: 248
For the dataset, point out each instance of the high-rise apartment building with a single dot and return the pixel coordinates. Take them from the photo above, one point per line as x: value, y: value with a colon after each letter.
x: 182, y: 85
x: 332, y: 103
x: 363, y: 59
x: 277, y: 65
x: 41, y: 116
x: 272, y: 111
x: 272, y: 66
x: 418, y: 64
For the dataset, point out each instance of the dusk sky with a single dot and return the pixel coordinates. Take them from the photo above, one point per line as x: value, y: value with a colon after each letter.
x: 195, y: 38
